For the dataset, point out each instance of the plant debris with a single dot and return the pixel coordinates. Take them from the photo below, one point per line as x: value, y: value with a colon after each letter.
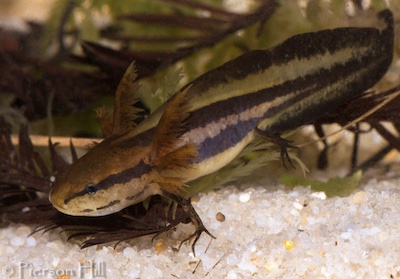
x: 70, y: 81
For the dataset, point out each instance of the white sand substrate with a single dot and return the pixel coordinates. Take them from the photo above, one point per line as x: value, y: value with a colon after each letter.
x: 267, y: 233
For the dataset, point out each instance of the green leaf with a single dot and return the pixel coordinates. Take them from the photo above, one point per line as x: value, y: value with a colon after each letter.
x: 336, y: 186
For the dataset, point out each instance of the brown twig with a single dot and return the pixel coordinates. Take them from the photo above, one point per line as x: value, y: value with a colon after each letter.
x: 38, y: 140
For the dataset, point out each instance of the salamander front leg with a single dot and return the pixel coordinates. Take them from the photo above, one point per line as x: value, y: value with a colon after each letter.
x: 282, y: 143
x: 196, y: 220
x: 190, y: 215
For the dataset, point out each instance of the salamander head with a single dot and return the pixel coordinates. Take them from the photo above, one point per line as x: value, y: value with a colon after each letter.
x: 103, y: 182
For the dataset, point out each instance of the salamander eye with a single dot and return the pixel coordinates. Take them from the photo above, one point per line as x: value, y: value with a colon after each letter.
x: 91, y: 189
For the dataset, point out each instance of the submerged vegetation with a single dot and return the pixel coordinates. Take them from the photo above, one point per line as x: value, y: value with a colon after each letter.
x: 54, y: 76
